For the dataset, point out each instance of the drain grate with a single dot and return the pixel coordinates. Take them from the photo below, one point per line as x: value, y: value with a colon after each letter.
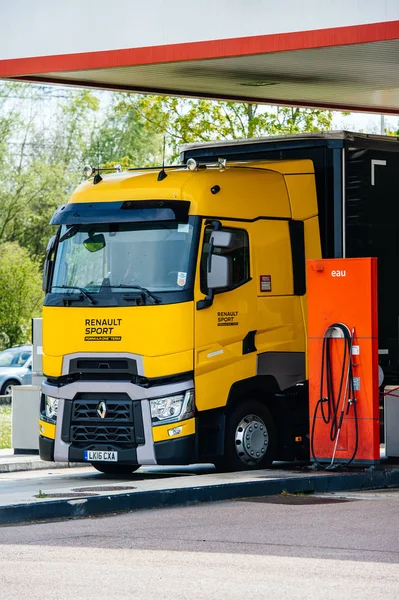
x: 105, y: 488
x: 295, y: 500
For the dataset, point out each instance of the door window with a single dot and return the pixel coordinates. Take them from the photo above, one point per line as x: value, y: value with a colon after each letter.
x: 237, y: 253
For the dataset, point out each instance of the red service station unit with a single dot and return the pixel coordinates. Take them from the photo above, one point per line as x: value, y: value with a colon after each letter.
x: 343, y: 361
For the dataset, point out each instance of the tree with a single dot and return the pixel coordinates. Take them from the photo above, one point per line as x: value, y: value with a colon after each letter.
x: 186, y: 121
x: 21, y: 294
x: 42, y: 154
x: 124, y: 137
x: 75, y: 121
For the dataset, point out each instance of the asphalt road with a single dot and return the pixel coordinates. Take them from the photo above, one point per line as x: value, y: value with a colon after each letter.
x: 289, y: 547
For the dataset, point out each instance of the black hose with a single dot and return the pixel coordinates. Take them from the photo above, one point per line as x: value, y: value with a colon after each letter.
x: 331, y: 407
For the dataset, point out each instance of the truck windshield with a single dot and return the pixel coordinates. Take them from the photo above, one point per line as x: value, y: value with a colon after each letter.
x: 104, y: 258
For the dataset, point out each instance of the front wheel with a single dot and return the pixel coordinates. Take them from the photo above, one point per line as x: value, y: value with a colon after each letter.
x: 6, y: 389
x: 250, y: 437
x: 115, y: 468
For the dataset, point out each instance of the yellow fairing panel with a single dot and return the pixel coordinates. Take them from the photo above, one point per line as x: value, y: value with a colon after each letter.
x: 271, y: 250
x: 302, y: 193
x: 280, y: 325
x: 244, y: 193
x: 162, y: 334
x: 132, y: 185
x: 47, y: 429
x: 160, y: 432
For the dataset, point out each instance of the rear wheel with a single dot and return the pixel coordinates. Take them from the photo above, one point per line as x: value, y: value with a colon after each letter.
x: 250, y: 438
x: 115, y: 469
x: 6, y: 388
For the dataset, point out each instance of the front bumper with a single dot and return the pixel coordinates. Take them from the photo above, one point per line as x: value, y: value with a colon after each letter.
x: 169, y: 444
x: 180, y: 451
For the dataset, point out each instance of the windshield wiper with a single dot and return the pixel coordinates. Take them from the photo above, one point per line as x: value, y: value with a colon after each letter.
x: 74, y: 287
x: 146, y: 293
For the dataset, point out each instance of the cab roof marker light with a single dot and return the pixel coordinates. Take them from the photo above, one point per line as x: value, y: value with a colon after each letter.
x: 192, y: 164
x: 88, y: 170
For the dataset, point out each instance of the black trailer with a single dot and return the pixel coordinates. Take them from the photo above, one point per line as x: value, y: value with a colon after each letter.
x: 357, y: 179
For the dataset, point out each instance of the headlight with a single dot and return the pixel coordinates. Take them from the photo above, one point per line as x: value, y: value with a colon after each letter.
x: 51, y: 407
x: 172, y: 408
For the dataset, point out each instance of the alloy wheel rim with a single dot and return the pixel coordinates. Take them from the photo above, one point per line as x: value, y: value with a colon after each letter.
x: 251, y: 439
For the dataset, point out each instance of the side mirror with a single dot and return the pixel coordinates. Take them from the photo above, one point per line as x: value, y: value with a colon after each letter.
x: 219, y: 267
x: 220, y: 239
x: 48, y: 264
x: 220, y: 275
x: 95, y: 242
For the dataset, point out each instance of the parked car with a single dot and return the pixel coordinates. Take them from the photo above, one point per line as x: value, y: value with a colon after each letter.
x: 15, y: 368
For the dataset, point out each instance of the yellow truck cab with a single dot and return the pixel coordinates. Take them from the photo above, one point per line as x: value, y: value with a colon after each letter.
x: 174, y: 317
x: 174, y: 321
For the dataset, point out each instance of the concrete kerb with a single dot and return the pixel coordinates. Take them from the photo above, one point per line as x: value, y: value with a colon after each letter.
x: 11, y: 462
x: 122, y: 502
x: 25, y: 463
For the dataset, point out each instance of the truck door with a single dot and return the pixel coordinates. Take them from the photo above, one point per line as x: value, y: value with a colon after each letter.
x: 225, y: 325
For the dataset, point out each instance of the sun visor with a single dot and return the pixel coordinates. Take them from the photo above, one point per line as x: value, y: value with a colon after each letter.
x: 118, y: 212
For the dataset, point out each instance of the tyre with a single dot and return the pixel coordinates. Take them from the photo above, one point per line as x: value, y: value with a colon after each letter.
x: 6, y: 387
x: 115, y: 468
x: 250, y: 438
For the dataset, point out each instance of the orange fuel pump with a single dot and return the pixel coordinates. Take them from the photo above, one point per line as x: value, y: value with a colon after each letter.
x: 343, y: 361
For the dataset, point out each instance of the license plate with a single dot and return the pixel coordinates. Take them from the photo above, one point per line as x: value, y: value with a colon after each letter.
x: 101, y: 455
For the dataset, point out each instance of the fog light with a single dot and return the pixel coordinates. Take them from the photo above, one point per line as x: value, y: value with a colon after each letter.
x: 175, y: 431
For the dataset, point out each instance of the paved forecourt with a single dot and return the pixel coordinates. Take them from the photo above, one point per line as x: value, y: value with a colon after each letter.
x: 82, y: 492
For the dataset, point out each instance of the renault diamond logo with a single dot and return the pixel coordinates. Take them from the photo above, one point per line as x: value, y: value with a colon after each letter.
x: 102, y: 409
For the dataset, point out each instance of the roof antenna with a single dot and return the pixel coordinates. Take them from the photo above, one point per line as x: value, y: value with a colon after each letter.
x: 162, y: 173
x: 97, y: 177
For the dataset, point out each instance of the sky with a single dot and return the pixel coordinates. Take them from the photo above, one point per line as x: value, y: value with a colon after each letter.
x: 364, y: 122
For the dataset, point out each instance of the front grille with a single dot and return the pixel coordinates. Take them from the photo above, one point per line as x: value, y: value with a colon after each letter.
x: 117, y: 410
x: 102, y: 434
x: 112, y: 419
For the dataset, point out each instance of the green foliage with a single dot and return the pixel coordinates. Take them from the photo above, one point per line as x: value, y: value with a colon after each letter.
x: 187, y: 121
x: 5, y: 426
x: 74, y: 126
x: 41, y: 494
x: 21, y: 294
x: 40, y: 162
x: 124, y: 137
x: 27, y: 203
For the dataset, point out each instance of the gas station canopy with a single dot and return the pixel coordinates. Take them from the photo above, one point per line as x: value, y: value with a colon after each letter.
x: 342, y: 54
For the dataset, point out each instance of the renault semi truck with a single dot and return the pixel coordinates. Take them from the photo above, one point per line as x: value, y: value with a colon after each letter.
x: 174, y: 320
